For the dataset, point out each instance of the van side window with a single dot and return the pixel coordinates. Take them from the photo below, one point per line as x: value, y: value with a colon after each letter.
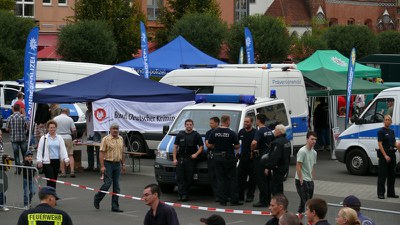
x: 9, y: 96
x: 252, y: 114
x: 378, y: 110
x: 276, y: 114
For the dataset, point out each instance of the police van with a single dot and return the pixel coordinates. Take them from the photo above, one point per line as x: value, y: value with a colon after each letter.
x: 10, y: 89
x: 207, y: 106
x: 252, y: 79
x: 357, y: 145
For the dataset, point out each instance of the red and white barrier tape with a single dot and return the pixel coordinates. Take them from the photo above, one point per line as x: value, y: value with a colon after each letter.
x: 211, y: 209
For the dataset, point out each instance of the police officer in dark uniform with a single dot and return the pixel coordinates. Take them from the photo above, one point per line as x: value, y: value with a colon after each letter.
x: 387, y: 159
x: 188, y: 146
x: 277, y: 164
x: 212, y: 172
x: 246, y: 166
x: 225, y: 142
x: 260, y: 146
x: 45, y: 213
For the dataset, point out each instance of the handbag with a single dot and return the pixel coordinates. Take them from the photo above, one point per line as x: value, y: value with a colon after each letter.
x: 41, y: 168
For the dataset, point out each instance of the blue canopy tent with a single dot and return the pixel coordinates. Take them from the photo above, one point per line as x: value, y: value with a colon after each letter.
x: 113, y: 83
x: 170, y: 57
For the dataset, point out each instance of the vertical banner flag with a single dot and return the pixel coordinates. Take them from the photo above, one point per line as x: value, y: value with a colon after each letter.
x: 350, y: 76
x: 145, y: 50
x: 30, y: 63
x: 249, y: 46
x: 241, y: 55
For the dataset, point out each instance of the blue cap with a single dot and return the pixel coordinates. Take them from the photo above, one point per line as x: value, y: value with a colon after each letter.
x: 351, y: 201
x: 28, y: 153
x: 48, y: 191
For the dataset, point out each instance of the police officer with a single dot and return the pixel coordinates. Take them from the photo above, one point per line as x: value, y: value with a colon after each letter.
x: 187, y: 147
x: 260, y: 146
x: 246, y: 166
x: 45, y: 213
x: 212, y: 173
x: 225, y: 142
x: 277, y: 164
x: 387, y: 159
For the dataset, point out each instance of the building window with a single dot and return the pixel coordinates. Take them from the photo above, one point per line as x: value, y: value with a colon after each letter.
x: 62, y: 2
x: 241, y: 9
x: 153, y: 9
x: 46, y: 2
x: 25, y: 8
x: 350, y: 21
x: 368, y: 23
x: 333, y: 22
x: 320, y: 18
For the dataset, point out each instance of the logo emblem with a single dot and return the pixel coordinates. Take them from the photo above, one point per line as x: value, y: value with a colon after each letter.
x: 100, y: 114
x: 33, y: 44
x: 339, y: 61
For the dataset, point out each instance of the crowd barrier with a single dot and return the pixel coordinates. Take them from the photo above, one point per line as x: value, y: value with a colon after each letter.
x: 12, y: 186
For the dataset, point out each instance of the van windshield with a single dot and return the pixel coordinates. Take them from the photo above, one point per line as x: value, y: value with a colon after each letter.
x: 201, y: 120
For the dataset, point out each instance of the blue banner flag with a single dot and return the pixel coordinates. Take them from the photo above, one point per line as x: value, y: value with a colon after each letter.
x: 249, y: 46
x: 145, y: 50
x: 30, y: 63
x: 350, y: 77
x: 241, y: 55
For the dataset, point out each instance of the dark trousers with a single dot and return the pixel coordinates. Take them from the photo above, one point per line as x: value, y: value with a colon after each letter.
x: 90, y: 153
x: 323, y: 136
x: 277, y: 181
x: 184, y: 175
x: 246, y: 169
x: 111, y: 176
x: 51, y: 171
x: 387, y: 170
x: 305, y: 191
x: 212, y: 176
x: 263, y: 182
x: 226, y: 178
x: 16, y: 146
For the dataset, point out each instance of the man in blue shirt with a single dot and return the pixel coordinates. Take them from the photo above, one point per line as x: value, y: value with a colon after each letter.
x: 354, y: 203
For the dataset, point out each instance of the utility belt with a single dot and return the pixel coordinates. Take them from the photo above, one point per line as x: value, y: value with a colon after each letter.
x: 183, y: 156
x: 210, y: 154
x: 257, y: 153
x: 222, y: 154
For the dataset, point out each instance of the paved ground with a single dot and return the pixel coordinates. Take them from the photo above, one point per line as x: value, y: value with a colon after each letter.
x: 333, y: 184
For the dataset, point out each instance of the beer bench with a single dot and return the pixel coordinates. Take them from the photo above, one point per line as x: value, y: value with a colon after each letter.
x: 135, y: 156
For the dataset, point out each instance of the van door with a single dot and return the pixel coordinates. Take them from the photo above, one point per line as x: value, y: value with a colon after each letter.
x: 7, y: 96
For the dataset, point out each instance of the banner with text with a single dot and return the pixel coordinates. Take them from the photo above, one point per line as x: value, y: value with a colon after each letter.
x: 140, y: 116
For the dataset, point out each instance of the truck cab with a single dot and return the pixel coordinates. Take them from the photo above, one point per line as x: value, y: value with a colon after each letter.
x: 237, y: 107
x: 357, y: 145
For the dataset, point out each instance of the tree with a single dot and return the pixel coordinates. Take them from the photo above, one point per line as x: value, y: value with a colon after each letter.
x: 389, y: 42
x: 203, y: 30
x: 301, y: 48
x: 270, y: 36
x: 174, y: 10
x: 7, y: 4
x: 123, y: 17
x: 13, y: 35
x: 344, y: 38
x: 87, y: 41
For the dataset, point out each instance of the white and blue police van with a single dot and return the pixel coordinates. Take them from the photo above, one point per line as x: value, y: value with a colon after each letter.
x: 10, y: 89
x: 356, y: 146
x: 215, y: 105
x: 251, y: 79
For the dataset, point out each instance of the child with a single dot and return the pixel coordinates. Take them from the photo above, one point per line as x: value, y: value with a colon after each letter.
x: 3, y: 176
x: 28, y: 175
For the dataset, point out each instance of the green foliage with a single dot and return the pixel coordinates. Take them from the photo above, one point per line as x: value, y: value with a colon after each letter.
x: 122, y: 18
x: 203, y: 30
x: 344, y: 38
x: 87, y: 41
x: 176, y: 9
x: 13, y: 35
x: 7, y: 4
x: 270, y: 36
x: 389, y: 42
x: 301, y: 48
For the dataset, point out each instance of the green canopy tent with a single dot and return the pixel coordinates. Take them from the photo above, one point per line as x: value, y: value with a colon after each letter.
x: 324, y: 82
x: 333, y: 60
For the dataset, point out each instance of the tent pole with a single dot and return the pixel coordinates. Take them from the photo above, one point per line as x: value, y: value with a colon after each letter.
x: 33, y: 114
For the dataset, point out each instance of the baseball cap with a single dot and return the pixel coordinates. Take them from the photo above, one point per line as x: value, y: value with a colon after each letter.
x: 213, y: 220
x: 49, y: 191
x: 28, y: 153
x: 351, y: 200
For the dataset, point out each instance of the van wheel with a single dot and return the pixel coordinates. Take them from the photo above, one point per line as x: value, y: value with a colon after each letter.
x: 166, y: 188
x: 357, y: 162
x: 136, y: 143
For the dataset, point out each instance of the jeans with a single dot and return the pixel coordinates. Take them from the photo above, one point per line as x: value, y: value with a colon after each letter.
x: 16, y: 147
x: 305, y: 191
x: 28, y: 186
x: 111, y: 176
x: 184, y: 175
x: 2, y: 198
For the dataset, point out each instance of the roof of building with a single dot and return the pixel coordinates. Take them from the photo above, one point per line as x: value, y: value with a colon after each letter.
x: 295, y: 12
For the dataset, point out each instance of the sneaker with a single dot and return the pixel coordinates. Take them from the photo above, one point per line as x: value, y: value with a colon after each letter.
x: 4, y: 209
x: 26, y: 207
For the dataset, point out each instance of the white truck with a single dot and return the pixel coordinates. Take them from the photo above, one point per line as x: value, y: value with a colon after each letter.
x: 356, y: 145
x: 252, y: 79
x: 237, y: 106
